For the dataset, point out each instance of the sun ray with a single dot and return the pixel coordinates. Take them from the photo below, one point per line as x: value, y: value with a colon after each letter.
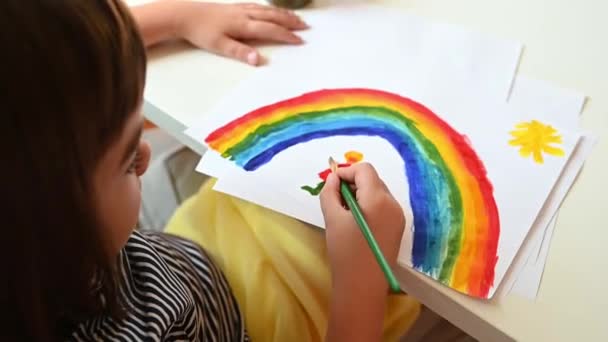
x: 535, y: 139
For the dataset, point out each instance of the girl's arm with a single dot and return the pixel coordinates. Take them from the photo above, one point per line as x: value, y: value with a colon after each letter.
x: 359, y: 288
x: 219, y: 28
x: 357, y: 311
x: 157, y: 21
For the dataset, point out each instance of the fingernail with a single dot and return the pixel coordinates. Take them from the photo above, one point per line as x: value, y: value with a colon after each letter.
x: 299, y: 19
x: 252, y: 58
x: 296, y: 39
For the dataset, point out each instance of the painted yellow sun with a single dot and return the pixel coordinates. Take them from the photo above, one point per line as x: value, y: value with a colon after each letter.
x: 535, y: 139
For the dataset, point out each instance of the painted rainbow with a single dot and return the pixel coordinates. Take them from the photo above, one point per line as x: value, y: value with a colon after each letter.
x: 456, y: 224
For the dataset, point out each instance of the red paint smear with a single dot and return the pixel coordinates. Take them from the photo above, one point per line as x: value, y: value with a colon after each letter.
x: 485, y: 280
x: 325, y: 173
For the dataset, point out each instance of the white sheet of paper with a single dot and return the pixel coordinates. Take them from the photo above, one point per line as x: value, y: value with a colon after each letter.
x: 528, y: 282
x: 528, y: 95
x: 488, y: 136
x: 547, y: 101
x: 423, y: 50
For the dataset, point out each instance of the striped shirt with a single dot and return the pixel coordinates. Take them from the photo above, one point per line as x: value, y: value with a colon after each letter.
x: 173, y: 292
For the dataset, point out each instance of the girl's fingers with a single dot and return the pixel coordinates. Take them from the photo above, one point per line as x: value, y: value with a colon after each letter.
x: 234, y: 49
x: 331, y: 198
x: 264, y: 30
x: 281, y: 17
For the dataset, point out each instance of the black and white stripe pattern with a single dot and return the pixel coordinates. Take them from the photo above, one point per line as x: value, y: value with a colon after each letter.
x: 173, y: 291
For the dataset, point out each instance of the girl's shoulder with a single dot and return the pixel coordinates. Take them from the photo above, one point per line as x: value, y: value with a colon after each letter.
x: 171, y: 287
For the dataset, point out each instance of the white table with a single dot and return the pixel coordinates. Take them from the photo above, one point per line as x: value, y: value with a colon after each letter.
x: 566, y: 43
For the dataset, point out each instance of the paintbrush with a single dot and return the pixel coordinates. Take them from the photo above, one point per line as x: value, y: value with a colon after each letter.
x: 350, y: 200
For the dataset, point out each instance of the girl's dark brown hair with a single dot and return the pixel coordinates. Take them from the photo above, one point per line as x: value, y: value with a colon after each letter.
x: 72, y: 72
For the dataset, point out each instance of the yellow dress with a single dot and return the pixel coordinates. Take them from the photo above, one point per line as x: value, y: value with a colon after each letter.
x: 277, y: 267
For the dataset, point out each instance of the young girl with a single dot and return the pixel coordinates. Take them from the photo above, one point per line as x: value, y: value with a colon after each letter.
x: 73, y: 74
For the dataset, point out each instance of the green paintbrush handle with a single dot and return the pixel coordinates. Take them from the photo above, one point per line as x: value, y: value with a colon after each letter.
x: 393, y: 283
